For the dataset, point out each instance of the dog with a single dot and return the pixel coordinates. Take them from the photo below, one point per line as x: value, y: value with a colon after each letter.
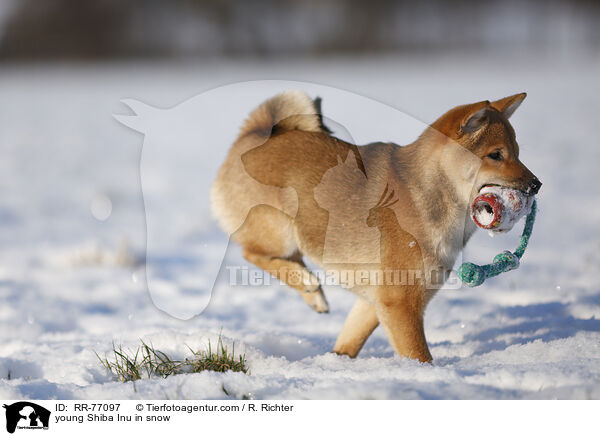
x: 290, y: 190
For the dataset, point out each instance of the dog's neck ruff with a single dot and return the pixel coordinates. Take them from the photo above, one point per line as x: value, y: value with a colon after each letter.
x: 474, y: 275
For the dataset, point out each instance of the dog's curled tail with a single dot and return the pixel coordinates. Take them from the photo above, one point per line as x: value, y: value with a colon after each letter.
x: 290, y: 110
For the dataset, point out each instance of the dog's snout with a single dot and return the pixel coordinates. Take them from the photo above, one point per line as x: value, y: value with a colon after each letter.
x: 535, y: 185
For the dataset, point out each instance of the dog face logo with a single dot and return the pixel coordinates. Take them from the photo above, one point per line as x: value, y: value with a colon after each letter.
x: 184, y: 146
x: 187, y: 254
x: 26, y: 415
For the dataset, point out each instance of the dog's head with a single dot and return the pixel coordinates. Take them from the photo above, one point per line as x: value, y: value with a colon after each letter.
x: 484, y: 131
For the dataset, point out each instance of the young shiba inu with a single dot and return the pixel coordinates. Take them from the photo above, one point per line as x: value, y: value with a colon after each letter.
x: 388, y: 220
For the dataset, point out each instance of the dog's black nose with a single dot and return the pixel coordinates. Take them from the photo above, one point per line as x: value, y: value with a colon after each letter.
x: 535, y: 185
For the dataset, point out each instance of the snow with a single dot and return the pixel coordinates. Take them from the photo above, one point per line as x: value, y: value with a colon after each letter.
x: 73, y: 239
x: 482, y: 213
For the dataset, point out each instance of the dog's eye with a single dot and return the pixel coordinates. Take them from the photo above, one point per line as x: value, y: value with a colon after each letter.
x: 497, y: 155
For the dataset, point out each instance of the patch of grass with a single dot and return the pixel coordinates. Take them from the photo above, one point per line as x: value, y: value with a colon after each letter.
x: 147, y: 362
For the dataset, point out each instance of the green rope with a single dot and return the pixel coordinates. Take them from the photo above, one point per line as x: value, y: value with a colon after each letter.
x: 474, y: 275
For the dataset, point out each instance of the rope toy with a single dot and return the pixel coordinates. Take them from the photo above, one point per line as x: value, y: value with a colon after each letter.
x: 474, y: 275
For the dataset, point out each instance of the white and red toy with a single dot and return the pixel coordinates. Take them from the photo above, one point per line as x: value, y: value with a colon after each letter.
x: 497, y: 208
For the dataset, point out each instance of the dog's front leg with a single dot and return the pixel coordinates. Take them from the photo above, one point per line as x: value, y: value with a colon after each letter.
x: 358, y: 326
x: 400, y: 311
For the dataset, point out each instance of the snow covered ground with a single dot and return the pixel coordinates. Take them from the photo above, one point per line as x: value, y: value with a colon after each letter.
x: 71, y: 283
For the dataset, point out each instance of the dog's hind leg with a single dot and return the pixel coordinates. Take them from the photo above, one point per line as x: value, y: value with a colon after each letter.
x: 359, y: 325
x: 292, y: 271
x: 268, y: 242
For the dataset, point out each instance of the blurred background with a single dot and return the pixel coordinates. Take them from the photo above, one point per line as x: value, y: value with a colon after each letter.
x: 193, y: 29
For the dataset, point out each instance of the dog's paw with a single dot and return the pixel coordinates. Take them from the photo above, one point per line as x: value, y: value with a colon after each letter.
x: 316, y: 300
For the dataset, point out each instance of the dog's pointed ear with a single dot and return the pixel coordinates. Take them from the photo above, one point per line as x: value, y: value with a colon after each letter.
x: 474, y: 121
x: 508, y: 105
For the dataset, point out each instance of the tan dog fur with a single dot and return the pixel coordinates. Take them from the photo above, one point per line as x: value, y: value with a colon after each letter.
x: 286, y: 179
